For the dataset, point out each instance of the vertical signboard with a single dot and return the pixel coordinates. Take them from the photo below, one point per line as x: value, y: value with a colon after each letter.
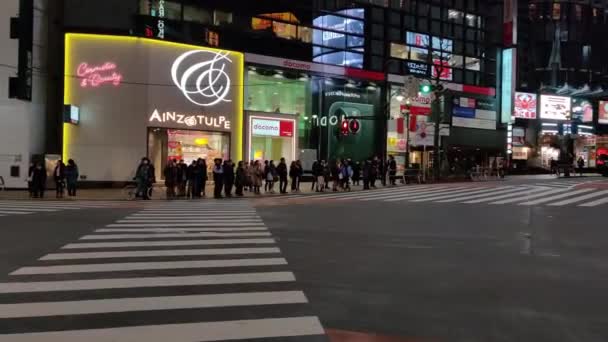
x: 507, y: 84
x: 524, y: 106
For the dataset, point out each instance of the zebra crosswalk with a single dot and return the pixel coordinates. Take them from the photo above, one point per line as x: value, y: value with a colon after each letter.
x: 21, y: 207
x: 209, y: 271
x: 473, y: 193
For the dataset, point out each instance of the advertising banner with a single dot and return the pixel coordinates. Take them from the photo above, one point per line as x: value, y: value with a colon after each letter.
x: 603, y: 113
x: 582, y: 110
x: 474, y: 113
x: 272, y: 128
x: 524, y: 106
x: 555, y: 107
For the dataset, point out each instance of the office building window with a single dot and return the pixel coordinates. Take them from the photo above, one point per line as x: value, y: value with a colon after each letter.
x: 399, y: 51
x: 221, y: 17
x: 196, y: 14
x: 162, y: 9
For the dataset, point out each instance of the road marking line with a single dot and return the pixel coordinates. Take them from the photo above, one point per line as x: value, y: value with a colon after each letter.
x: 560, y: 196
x: 83, y: 245
x: 522, y: 192
x: 360, y: 193
x: 579, y: 198
x: 528, y: 197
x: 169, y: 230
x: 15, y: 212
x: 194, y: 215
x: 470, y: 192
x: 226, y: 220
x: 423, y: 194
x: 178, y: 224
x: 139, y: 266
x: 465, y: 198
x: 28, y: 209
x: 97, y: 306
x: 409, y: 193
x: 595, y: 203
x: 187, y: 332
x: 160, y: 253
x: 118, y: 283
x: 169, y: 235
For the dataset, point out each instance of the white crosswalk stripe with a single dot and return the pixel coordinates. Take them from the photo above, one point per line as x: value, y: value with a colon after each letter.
x: 196, y: 274
x: 22, y: 207
x: 480, y: 193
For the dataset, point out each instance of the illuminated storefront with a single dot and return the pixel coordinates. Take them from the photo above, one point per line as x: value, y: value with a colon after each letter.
x: 141, y: 97
x: 316, y: 98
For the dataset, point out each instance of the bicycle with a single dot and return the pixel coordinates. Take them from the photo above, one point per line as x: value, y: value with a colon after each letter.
x: 130, y: 192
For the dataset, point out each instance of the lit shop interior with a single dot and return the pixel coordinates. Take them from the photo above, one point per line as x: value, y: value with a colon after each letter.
x: 316, y: 105
x: 172, y: 144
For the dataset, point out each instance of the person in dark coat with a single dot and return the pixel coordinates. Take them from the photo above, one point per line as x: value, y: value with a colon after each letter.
x: 182, y: 178
x: 392, y: 169
x: 282, y: 173
x: 367, y: 172
x: 314, y: 170
x: 228, y: 177
x: 299, y: 173
x: 241, y: 178
x: 38, y: 180
x: 356, y: 173
x: 190, y: 178
x: 144, y: 177
x: 59, y: 178
x: 171, y: 181
x: 200, y: 178
x: 326, y: 174
x: 71, y: 177
x: 373, y: 174
x: 218, y: 178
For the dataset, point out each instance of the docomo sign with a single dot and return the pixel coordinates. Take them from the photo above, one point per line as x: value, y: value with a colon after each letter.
x: 97, y: 75
x: 196, y: 120
x: 272, y: 128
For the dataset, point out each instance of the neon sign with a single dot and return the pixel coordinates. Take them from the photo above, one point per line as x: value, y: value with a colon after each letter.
x: 97, y: 75
x: 190, y: 120
x: 201, y: 76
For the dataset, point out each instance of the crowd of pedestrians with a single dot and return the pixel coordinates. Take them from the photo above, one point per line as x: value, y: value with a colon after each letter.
x: 64, y: 177
x: 188, y: 181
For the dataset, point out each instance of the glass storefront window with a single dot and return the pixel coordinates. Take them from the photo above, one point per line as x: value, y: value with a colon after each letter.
x: 277, y: 93
x: 168, y: 144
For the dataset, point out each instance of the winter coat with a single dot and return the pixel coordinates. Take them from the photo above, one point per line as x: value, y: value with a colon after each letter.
x: 282, y: 170
x: 71, y: 174
x: 39, y: 178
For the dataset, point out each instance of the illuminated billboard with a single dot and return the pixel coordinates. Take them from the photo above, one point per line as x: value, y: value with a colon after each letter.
x: 603, y: 113
x: 582, y: 110
x: 555, y: 107
x: 524, y: 106
x: 123, y: 85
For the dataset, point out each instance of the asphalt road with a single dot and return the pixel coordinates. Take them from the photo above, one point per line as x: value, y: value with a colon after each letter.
x: 416, y: 269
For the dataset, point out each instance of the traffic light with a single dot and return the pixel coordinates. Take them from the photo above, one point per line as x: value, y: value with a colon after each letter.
x: 426, y: 88
x: 354, y: 126
x: 344, y: 127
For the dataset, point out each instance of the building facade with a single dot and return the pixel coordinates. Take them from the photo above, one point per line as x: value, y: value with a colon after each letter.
x: 22, y: 122
x: 297, y: 71
x: 560, y: 108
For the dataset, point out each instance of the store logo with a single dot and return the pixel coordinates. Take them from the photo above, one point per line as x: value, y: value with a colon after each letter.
x: 189, y: 120
x: 97, y: 75
x: 201, y: 76
x: 296, y: 65
x: 272, y: 128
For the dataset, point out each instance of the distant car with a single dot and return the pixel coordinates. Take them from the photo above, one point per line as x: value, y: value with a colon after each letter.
x: 602, y: 164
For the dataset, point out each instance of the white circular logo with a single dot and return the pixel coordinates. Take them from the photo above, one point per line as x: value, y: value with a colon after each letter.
x: 201, y: 76
x: 190, y: 121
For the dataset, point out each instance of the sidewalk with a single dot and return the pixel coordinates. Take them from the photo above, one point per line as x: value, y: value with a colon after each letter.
x: 159, y: 193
